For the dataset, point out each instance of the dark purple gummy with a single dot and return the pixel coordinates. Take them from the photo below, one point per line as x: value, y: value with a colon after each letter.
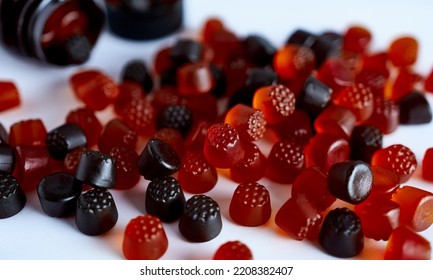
x: 185, y: 51
x: 4, y: 137
x: 97, y: 169
x: 201, y: 219
x: 12, y: 197
x: 315, y: 96
x: 7, y: 159
x: 63, y: 139
x: 350, y: 181
x: 96, y: 212
x: 324, y: 48
x: 219, y: 77
x: 364, y: 141
x: 302, y: 37
x: 341, y: 233
x: 158, y: 159
x: 136, y: 71
x: 259, y: 50
x: 165, y: 199
x: 177, y: 117
x: 58, y: 194
x: 415, y: 109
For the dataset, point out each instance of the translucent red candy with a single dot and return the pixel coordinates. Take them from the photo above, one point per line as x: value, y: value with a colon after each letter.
x: 336, y: 73
x: 28, y: 133
x: 194, y: 78
x: 385, y: 116
x: 127, y: 175
x: 144, y: 239
x: 32, y: 164
x: 96, y: 89
x: 357, y: 39
x: 285, y: 162
x: 299, y: 218
x: 324, y: 150
x: 312, y: 183
x: 196, y: 175
x: 416, y: 207
x: 276, y: 102
x: 385, y: 182
x: 405, y: 244
x: 233, y: 250
x: 139, y: 115
x: 250, y: 204
x: 379, y: 217
x: 398, y: 158
x: 358, y: 98
x: 293, y: 62
x: 404, y: 83
x: 116, y: 134
x: 222, y: 146
x: 403, y: 51
x: 9, y: 96
x: 335, y: 120
x: 297, y: 127
x: 172, y: 137
x: 427, y: 165
x: 249, y: 122
x: 252, y: 167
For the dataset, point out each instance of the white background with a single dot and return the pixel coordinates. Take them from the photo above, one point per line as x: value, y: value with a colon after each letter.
x: 46, y: 95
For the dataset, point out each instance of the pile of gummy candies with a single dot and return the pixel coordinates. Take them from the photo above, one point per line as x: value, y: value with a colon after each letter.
x: 326, y: 100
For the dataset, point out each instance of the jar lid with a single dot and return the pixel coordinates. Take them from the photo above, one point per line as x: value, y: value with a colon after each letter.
x: 144, y: 19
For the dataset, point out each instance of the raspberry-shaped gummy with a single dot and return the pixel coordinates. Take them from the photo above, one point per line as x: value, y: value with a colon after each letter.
x: 250, y: 123
x: 276, y: 102
x: 250, y: 204
x: 139, y: 115
x: 285, y: 161
x: 196, y: 175
x: 86, y: 119
x: 144, y: 239
x: 358, y: 98
x: 398, y: 158
x: 126, y: 167
x: 222, y: 146
x: 252, y: 167
x: 233, y: 250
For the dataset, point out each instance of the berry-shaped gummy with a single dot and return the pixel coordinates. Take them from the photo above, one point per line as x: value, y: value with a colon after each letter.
x: 233, y: 250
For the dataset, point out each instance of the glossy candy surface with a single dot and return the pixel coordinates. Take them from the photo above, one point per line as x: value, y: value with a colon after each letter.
x: 58, y: 194
x: 96, y: 212
x: 97, y: 169
x: 250, y: 204
x: 144, y: 239
x: 158, y: 159
x: 405, y: 244
x: 63, y: 139
x: 233, y: 250
x: 201, y: 219
x: 12, y: 197
x: 165, y: 199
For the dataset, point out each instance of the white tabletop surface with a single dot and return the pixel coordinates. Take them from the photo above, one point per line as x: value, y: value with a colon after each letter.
x: 45, y: 93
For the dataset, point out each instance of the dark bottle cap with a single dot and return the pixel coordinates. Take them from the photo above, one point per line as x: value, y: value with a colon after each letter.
x: 144, y: 19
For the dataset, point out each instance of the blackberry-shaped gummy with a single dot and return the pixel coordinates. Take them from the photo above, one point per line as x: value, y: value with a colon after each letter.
x: 158, y: 159
x: 136, y: 71
x: 12, y: 197
x: 259, y: 50
x: 144, y: 239
x: 178, y: 117
x: 341, y: 233
x: 201, y: 219
x: 58, y: 194
x: 7, y: 158
x: 364, y: 142
x: 415, y: 109
x: 96, y: 212
x: 97, y: 169
x: 185, y: 51
x: 350, y: 181
x: 61, y: 140
x: 302, y: 37
x: 165, y: 199
x: 77, y: 49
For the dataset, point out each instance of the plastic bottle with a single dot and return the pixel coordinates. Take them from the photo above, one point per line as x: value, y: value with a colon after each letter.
x: 60, y: 32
